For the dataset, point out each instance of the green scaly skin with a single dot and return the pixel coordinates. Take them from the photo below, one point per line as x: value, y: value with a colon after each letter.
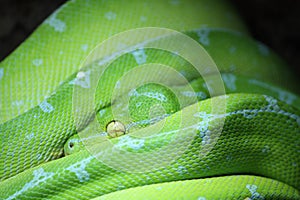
x: 255, y: 157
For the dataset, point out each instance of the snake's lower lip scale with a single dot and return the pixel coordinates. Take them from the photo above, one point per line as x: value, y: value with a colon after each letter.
x: 180, y: 142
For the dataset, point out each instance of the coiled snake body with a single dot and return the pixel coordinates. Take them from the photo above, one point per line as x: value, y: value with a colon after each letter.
x: 177, y: 142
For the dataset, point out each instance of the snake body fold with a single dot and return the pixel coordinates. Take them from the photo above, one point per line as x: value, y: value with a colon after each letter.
x: 44, y: 154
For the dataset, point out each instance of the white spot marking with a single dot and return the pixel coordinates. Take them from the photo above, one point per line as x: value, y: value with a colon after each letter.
x: 39, y: 156
x: 140, y: 45
x: 272, y: 107
x: 120, y: 186
x: 133, y: 93
x: 201, y: 95
x: 254, y: 193
x: 203, y: 125
x: 138, y: 104
x: 1, y: 73
x: 182, y: 170
x: 155, y: 95
x: 79, y: 169
x: 229, y: 157
x: 232, y: 50
x: 183, y: 72
x: 133, y: 143
x: 46, y: 107
x: 266, y: 149
x: 203, y: 36
x: 143, y: 18
x: 229, y: 80
x: 282, y: 95
x: 84, y: 47
x: 140, y: 56
x: 272, y: 104
x: 201, y: 198
x: 102, y: 112
x: 30, y: 136
x: 82, y: 79
x: 232, y: 67
x: 110, y: 15
x: 80, y: 75
x: 118, y: 84
x: 57, y: 24
x: 159, y: 188
x: 17, y: 103
x: 37, y: 62
x: 40, y: 176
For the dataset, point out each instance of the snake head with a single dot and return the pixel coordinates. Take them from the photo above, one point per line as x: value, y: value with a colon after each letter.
x: 74, y: 144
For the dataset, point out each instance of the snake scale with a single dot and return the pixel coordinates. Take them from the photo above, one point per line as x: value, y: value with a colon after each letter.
x: 155, y: 127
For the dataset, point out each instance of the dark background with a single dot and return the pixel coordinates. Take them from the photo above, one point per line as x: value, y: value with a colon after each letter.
x: 275, y: 23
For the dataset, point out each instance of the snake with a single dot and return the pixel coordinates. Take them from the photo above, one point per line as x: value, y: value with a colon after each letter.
x: 155, y: 127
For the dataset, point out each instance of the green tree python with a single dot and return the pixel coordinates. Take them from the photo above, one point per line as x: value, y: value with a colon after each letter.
x: 155, y: 126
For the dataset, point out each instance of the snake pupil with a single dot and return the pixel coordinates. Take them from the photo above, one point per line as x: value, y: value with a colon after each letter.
x: 71, y: 144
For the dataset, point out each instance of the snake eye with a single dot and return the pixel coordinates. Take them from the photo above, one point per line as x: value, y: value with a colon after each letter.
x: 73, y: 145
x: 115, y: 128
